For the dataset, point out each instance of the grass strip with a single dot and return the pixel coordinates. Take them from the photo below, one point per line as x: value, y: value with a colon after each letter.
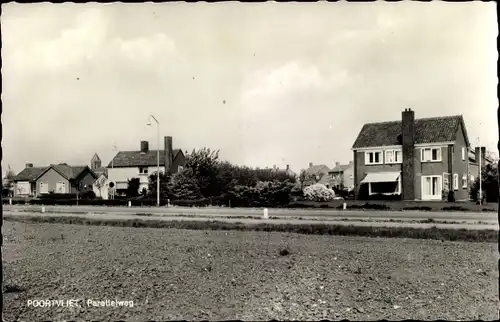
x: 308, y: 229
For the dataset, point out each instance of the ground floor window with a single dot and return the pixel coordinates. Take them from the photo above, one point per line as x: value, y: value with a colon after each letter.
x: 431, y: 187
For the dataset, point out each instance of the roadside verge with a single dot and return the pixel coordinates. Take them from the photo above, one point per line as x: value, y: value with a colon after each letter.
x: 323, y: 228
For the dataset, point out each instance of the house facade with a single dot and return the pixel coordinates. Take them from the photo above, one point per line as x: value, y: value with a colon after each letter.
x: 342, y: 176
x: 419, y: 159
x: 140, y: 164
x: 56, y: 178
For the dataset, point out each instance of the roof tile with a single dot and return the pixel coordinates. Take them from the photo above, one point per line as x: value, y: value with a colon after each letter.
x: 139, y: 159
x: 427, y: 130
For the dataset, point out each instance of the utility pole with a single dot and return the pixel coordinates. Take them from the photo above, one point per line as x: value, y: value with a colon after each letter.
x: 480, y: 167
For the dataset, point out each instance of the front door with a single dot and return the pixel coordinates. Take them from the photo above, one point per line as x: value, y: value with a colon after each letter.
x: 431, y: 187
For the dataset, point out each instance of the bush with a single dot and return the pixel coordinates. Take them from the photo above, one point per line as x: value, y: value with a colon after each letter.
x: 489, y: 184
x: 318, y: 192
x: 454, y: 208
x: 58, y: 196
x: 421, y: 208
x: 263, y: 194
x: 451, y: 196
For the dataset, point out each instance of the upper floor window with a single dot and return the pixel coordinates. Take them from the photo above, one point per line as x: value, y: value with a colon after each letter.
x: 143, y: 170
x: 463, y: 153
x: 374, y: 157
x: 430, y: 155
x: 455, y: 181
x: 393, y: 156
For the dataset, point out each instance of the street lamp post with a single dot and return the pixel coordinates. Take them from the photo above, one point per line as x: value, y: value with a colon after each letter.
x: 157, y: 160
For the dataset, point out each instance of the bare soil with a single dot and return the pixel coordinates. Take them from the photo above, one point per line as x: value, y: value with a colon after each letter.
x: 221, y: 275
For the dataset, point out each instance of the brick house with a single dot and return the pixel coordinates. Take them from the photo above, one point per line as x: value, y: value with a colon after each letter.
x: 56, y: 178
x: 342, y: 176
x: 141, y: 163
x: 419, y: 159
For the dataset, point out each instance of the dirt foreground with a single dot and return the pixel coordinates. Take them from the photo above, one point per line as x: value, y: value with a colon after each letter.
x: 174, y: 274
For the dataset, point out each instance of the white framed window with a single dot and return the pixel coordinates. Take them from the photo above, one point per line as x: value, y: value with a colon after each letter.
x: 44, y: 187
x: 464, y: 181
x: 373, y: 157
x: 143, y: 170
x: 463, y: 153
x: 472, y: 178
x: 455, y: 181
x: 430, y: 155
x: 432, y: 187
x: 393, y: 156
x: 61, y: 187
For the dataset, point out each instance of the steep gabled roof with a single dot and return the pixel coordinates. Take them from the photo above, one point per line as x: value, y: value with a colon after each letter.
x: 67, y: 171
x: 138, y: 159
x: 427, y: 130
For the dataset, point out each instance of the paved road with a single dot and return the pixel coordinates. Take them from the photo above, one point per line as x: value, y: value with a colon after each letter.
x: 487, y: 217
x: 115, y: 216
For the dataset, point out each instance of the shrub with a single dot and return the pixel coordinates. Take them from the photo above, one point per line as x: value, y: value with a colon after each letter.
x: 318, y: 192
x: 489, y: 183
x: 375, y: 206
x: 58, y: 196
x: 421, y: 208
x: 451, y: 196
x: 454, y: 208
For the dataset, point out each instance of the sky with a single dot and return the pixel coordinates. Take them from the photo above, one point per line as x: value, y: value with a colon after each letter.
x: 265, y: 83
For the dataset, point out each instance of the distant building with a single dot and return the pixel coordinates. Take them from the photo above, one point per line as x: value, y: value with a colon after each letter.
x: 317, y: 174
x: 56, y: 178
x: 141, y: 163
x: 342, y: 176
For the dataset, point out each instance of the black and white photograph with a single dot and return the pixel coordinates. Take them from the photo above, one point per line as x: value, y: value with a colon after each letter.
x: 250, y: 161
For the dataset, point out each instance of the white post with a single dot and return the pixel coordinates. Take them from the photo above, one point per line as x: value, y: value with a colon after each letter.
x: 345, y: 206
x: 10, y: 201
x: 266, y: 214
x: 129, y: 204
x: 43, y: 209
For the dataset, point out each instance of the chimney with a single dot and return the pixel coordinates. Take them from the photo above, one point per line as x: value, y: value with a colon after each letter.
x: 144, y: 147
x: 477, y: 154
x: 29, y: 165
x: 337, y: 164
x: 168, y: 154
x: 287, y: 167
x: 351, y: 162
x: 275, y: 167
x: 483, y: 152
x: 408, y: 145
x: 310, y: 164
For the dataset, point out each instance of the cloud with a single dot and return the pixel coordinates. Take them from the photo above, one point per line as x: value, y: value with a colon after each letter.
x: 87, y: 40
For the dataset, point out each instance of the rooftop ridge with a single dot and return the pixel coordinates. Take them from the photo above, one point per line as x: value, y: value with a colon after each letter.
x: 419, y: 119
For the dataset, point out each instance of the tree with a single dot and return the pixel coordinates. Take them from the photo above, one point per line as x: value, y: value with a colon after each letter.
x: 165, y: 185
x: 302, y: 178
x: 185, y: 186
x: 100, y: 183
x: 8, y: 182
x: 489, y: 184
x: 133, y: 187
x: 204, y: 166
